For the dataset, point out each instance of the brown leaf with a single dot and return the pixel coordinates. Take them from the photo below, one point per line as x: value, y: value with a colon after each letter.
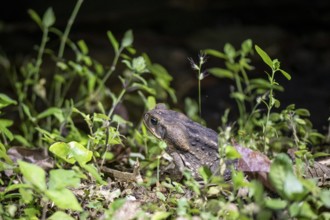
x: 252, y: 161
x: 255, y: 164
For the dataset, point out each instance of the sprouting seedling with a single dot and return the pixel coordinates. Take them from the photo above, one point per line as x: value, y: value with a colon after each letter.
x: 275, y: 67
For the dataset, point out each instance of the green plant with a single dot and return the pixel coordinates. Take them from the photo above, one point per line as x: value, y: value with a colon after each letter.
x: 237, y: 63
x: 272, y: 101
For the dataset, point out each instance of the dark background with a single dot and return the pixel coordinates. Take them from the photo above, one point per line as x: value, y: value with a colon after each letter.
x: 169, y: 31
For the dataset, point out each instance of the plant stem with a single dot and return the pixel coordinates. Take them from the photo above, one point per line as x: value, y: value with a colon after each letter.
x: 240, y: 103
x: 111, y: 70
x: 115, y: 103
x: 68, y: 28
x: 269, y: 105
x: 199, y: 98
x: 200, y: 77
x: 35, y: 72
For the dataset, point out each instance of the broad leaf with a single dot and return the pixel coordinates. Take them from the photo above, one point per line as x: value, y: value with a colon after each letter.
x: 64, y: 199
x: 71, y: 152
x: 60, y: 215
x: 33, y: 174
x: 60, y: 178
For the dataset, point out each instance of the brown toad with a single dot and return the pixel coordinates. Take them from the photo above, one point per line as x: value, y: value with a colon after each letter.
x: 190, y: 144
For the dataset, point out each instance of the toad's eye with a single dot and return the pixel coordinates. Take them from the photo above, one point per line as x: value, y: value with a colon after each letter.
x: 153, y: 121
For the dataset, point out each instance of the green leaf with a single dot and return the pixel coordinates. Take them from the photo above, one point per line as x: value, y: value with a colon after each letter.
x: 35, y: 17
x: 63, y: 151
x: 127, y: 39
x: 160, y: 196
x: 230, y: 51
x: 64, y: 199
x: 33, y: 174
x: 4, y: 123
x: 158, y: 215
x: 60, y: 178
x: 232, y: 153
x: 94, y: 172
x: 14, y: 187
x: 22, y: 140
x: 278, y: 172
x: 4, y: 155
x: 303, y: 112
x: 246, y: 46
x: 264, y: 56
x: 99, y: 117
x: 151, y: 102
x: 6, y: 100
x: 277, y: 103
x: 325, y: 198
x: 302, y: 210
x: 60, y: 215
x: 116, y: 118
x: 276, y: 64
x: 56, y: 112
x: 215, y: 53
x: 32, y: 213
x: 28, y: 113
x: 321, y: 154
x: 145, y: 88
x: 108, y: 156
x: 205, y: 173
x: 26, y: 195
x: 71, y: 152
x: 285, y: 74
x: 49, y: 18
x: 139, y: 65
x: 221, y: 73
x: 275, y: 204
x: 113, y: 41
x: 293, y: 188
x: 83, y: 47
x: 238, y: 95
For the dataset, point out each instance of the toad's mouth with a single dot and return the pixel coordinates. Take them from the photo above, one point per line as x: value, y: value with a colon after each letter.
x: 154, y: 127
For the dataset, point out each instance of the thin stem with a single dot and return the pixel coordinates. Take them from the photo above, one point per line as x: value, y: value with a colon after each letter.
x: 110, y: 71
x: 269, y: 106
x: 241, y: 105
x: 35, y: 72
x: 115, y: 103
x: 68, y: 28
x: 65, y: 91
x: 200, y: 77
x: 199, y: 98
x: 40, y: 53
